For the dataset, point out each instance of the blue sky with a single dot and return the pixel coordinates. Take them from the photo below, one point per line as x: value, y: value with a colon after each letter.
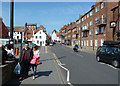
x: 52, y: 15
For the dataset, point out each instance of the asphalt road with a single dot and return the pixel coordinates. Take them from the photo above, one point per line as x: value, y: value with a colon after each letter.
x: 84, y: 69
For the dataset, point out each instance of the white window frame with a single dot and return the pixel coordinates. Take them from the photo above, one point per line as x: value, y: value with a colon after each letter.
x: 88, y: 15
x: 91, y: 22
x: 91, y: 43
x: 96, y: 42
x: 97, y: 31
x: 102, y: 40
x: 102, y: 5
x: 91, y: 13
x: 97, y: 9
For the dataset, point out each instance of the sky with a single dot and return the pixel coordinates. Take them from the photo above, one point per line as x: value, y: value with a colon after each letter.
x: 52, y: 15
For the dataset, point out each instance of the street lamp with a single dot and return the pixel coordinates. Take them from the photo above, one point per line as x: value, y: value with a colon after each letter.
x: 11, y: 22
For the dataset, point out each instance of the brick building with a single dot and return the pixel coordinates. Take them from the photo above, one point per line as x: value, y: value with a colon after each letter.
x: 93, y: 28
x: 3, y: 30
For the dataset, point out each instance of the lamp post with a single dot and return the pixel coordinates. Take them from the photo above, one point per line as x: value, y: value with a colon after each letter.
x: 11, y: 22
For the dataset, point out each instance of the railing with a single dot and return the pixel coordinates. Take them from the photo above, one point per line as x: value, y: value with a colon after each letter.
x: 100, y: 21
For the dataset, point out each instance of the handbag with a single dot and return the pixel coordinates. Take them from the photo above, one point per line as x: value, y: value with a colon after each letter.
x: 37, y: 62
x: 17, y: 69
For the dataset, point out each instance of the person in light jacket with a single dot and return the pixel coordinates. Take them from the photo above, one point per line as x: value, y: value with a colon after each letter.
x: 35, y: 58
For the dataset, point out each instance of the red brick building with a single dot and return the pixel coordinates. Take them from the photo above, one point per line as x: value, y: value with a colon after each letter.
x: 93, y: 28
x: 3, y: 30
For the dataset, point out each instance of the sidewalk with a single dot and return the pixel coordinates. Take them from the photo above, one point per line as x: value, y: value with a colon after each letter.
x: 47, y: 71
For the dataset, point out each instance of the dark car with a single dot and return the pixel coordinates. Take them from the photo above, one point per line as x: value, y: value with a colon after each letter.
x: 109, y: 54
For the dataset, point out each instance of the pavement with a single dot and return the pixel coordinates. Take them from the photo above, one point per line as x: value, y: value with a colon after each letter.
x: 47, y: 71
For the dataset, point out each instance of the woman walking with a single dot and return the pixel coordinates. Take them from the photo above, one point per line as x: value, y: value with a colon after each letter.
x: 36, y: 56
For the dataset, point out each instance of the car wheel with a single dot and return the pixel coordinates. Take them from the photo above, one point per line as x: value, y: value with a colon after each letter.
x: 115, y: 63
x: 98, y: 58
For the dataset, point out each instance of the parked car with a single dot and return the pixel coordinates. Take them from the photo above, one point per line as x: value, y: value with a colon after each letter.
x: 108, y: 54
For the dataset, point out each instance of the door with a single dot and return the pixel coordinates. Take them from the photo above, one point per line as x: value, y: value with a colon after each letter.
x: 109, y: 54
x: 102, y: 53
x: 40, y: 44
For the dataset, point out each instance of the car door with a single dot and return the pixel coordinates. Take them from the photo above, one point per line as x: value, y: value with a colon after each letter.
x: 102, y: 53
x: 109, y: 54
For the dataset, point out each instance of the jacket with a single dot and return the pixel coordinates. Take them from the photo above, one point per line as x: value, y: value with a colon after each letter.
x: 29, y: 55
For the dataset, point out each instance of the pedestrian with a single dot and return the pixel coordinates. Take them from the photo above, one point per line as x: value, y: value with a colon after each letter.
x: 24, y: 60
x: 10, y: 52
x: 35, y: 57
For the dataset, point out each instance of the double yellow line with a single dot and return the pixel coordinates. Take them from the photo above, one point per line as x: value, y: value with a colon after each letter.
x: 58, y: 61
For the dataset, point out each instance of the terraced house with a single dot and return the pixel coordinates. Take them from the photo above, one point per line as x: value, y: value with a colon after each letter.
x: 94, y: 27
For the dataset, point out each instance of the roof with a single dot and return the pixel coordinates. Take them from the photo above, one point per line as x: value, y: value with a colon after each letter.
x: 57, y: 33
x: 19, y: 29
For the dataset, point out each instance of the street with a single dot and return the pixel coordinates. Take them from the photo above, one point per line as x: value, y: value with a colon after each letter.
x: 83, y: 67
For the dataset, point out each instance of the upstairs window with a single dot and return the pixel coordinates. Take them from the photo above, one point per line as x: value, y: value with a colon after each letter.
x: 102, y: 5
x: 97, y: 31
x: 88, y: 15
x: 91, y: 22
x: 97, y: 8
x: 91, y: 13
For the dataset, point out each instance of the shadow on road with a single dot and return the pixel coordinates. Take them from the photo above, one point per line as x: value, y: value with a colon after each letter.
x: 43, y: 73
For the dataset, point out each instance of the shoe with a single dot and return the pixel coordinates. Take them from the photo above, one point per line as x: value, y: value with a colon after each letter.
x: 21, y: 78
x: 33, y: 77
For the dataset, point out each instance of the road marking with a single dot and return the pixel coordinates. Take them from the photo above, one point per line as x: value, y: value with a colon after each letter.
x: 109, y: 65
x: 58, y: 61
x: 60, y: 64
x: 79, y: 55
x: 59, y: 74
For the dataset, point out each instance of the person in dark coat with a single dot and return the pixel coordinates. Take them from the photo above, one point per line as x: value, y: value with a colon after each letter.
x: 24, y: 60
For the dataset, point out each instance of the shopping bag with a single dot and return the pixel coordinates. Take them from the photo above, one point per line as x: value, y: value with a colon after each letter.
x: 17, y: 69
x: 37, y: 62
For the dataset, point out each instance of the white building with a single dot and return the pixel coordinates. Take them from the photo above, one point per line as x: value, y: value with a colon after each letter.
x: 17, y: 35
x: 39, y: 38
x: 55, y: 36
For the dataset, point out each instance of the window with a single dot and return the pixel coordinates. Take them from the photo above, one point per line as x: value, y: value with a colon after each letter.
x: 82, y: 34
x: 79, y: 21
x: 91, y: 22
x: 17, y: 37
x: 87, y: 42
x: 40, y: 32
x: 102, y: 5
x: 102, y: 29
x: 97, y: 20
x: 96, y: 42
x: 40, y: 37
x: 97, y: 31
x: 36, y: 37
x: 102, y: 40
x: 88, y: 15
x: 37, y: 41
x: 91, y: 13
x: 103, y: 49
x: 103, y: 20
x: 79, y: 28
x: 91, y: 43
x: 79, y: 35
x: 84, y: 42
x: 85, y: 17
x: 97, y: 9
x: 91, y: 32
x: 43, y: 42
